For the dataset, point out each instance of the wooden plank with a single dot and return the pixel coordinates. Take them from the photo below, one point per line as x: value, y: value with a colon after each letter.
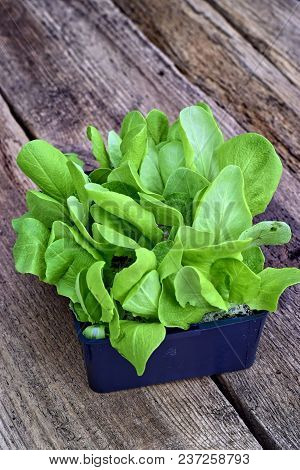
x: 44, y: 396
x: 271, y: 27
x: 214, y: 55
x: 72, y: 66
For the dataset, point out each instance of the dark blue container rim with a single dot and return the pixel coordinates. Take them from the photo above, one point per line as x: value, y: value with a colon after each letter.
x: 176, y: 332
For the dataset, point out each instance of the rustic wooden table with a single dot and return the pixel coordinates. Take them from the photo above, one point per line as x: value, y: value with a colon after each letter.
x: 65, y: 64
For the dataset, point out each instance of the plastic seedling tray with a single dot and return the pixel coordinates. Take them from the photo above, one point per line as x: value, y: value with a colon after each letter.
x: 206, y: 349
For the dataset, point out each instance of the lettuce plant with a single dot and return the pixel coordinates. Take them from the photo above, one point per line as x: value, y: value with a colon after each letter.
x: 160, y: 234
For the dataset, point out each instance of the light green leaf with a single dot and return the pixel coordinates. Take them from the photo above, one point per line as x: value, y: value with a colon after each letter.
x: 132, y: 120
x: 200, y: 136
x: 203, y: 257
x: 99, y: 175
x: 79, y: 313
x: 142, y: 299
x: 260, y: 165
x: 254, y: 258
x: 234, y: 281
x: 192, y: 287
x: 171, y: 263
x: 149, y: 170
x: 183, y: 203
x: 128, y: 277
x: 193, y: 238
x: 134, y: 145
x: 174, y: 131
x: 137, y: 341
x: 164, y: 215
x: 127, y: 174
x: 47, y: 167
x: 29, y: 249
x: 273, y: 283
x: 64, y: 260
x: 205, y: 107
x: 114, y: 148
x: 121, y: 188
x: 73, y: 157
x: 170, y: 157
x: 114, y: 326
x: 113, y: 237
x: 109, y: 220
x: 98, y: 147
x: 223, y: 210
x: 61, y: 230
x: 80, y: 179
x: 88, y: 302
x: 45, y: 208
x: 171, y: 314
x: 184, y: 180
x: 94, y: 279
x: 268, y: 233
x: 127, y: 209
x: 158, y: 125
x: 161, y: 249
x: 78, y: 216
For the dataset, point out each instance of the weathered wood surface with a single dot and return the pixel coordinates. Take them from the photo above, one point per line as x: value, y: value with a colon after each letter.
x: 64, y: 65
x: 256, y: 81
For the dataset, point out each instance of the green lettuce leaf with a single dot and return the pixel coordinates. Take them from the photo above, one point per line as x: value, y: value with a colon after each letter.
x: 88, y: 302
x: 99, y: 175
x: 223, y: 210
x: 94, y: 279
x: 114, y: 149
x: 171, y: 314
x: 203, y: 257
x: 235, y: 281
x: 200, y: 136
x: 98, y: 147
x: 142, y: 299
x: 150, y: 172
x: 80, y: 179
x: 47, y: 167
x: 192, y: 287
x: 127, y: 174
x: 45, y: 208
x: 273, y: 283
x: 132, y: 120
x: 164, y: 214
x: 127, y: 209
x: 260, y: 165
x: 128, y: 277
x: 268, y: 233
x: 134, y: 145
x: 254, y: 258
x: 170, y: 157
x: 64, y: 260
x: 111, y: 236
x: 158, y: 125
x: 29, y: 249
x: 171, y: 263
x: 137, y: 341
x: 185, y: 181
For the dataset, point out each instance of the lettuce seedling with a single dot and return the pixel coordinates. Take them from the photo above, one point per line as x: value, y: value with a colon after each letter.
x: 161, y: 234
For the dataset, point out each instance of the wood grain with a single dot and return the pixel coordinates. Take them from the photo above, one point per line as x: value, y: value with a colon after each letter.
x: 214, y: 54
x: 271, y: 27
x: 65, y: 65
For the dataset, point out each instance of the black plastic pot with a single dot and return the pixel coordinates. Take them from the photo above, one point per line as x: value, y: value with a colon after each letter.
x: 206, y: 349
